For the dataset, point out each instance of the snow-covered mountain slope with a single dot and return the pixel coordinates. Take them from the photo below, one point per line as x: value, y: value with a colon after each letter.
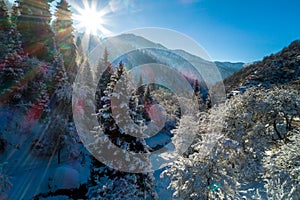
x: 162, y: 57
x: 119, y: 45
x: 226, y: 68
x: 280, y: 68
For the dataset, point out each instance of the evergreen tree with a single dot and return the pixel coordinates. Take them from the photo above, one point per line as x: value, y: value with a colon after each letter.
x: 34, y: 26
x: 105, y: 58
x: 147, y: 95
x: 11, y: 59
x: 107, y: 183
x: 63, y: 27
x: 196, y: 87
x: 4, y: 18
x: 79, y: 53
x: 141, y: 91
x: 57, y: 134
x: 120, y: 69
x: 14, y: 36
x: 103, y: 68
x: 199, y: 95
x: 15, y: 11
x: 147, y: 102
x: 4, y: 29
x: 86, y: 74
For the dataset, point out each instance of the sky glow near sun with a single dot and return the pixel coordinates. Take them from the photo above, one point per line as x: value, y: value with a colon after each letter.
x: 90, y: 20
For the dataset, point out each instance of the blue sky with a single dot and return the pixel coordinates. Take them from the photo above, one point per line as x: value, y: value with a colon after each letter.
x: 231, y: 30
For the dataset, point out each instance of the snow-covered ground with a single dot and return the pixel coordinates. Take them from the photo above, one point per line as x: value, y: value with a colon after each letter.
x: 30, y: 175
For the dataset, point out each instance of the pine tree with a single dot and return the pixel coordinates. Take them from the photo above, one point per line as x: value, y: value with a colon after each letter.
x: 147, y: 102
x: 57, y: 134
x: 15, y: 12
x: 108, y: 183
x: 4, y: 18
x: 104, y: 67
x: 63, y: 27
x: 199, y: 95
x: 147, y: 98
x: 196, y: 87
x: 86, y: 74
x: 105, y: 78
x: 11, y: 59
x: 34, y: 26
x: 105, y: 58
x: 79, y: 53
x: 120, y: 69
x: 4, y: 28
x: 15, y: 36
x: 141, y: 90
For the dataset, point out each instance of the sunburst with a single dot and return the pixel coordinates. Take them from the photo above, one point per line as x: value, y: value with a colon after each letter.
x: 90, y: 19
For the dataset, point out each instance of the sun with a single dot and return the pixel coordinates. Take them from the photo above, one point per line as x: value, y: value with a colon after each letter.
x: 90, y: 20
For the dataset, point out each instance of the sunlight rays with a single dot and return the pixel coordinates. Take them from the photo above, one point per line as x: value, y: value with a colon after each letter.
x: 90, y: 19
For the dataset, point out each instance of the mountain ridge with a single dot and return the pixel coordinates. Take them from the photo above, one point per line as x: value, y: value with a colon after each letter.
x: 117, y: 45
x: 276, y: 69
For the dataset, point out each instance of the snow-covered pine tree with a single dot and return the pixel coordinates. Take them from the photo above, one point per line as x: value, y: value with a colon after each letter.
x: 103, y: 68
x: 196, y: 87
x: 67, y: 69
x: 4, y: 29
x: 106, y: 182
x: 105, y: 57
x: 59, y: 131
x: 86, y: 74
x: 141, y: 90
x: 34, y: 19
x: 11, y: 59
x: 147, y: 102
x: 200, y: 97
x: 63, y: 28
x: 80, y: 57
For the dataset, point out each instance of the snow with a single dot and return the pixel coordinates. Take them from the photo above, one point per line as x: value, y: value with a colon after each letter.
x: 32, y: 175
x: 66, y: 177
x: 158, y: 140
x: 162, y: 185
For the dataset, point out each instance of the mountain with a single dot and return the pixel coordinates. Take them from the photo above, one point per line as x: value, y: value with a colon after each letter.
x: 226, y: 68
x: 147, y: 51
x: 117, y: 45
x: 276, y: 69
x: 162, y: 57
